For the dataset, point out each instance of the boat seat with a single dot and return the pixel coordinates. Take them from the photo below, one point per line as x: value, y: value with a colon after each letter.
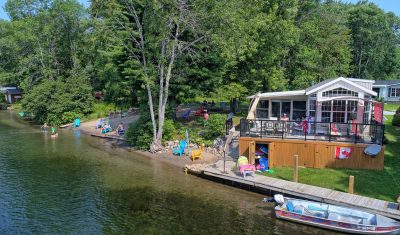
x: 366, y: 222
x: 344, y: 218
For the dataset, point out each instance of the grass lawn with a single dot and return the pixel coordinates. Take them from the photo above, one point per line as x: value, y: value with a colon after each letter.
x: 391, y: 107
x: 383, y: 184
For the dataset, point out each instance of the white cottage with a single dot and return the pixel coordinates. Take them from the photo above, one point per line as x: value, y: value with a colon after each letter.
x: 339, y: 100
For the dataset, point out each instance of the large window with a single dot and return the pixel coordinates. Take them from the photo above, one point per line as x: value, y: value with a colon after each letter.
x: 351, y: 110
x: 262, y: 109
x: 394, y: 92
x: 299, y: 109
x: 326, y: 111
x: 340, y: 111
x: 339, y: 92
x: 279, y: 108
x: 367, y: 111
x: 312, y: 107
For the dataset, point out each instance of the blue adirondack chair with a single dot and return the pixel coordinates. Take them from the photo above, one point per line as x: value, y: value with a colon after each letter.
x: 186, y: 114
x: 77, y: 122
x: 179, y: 150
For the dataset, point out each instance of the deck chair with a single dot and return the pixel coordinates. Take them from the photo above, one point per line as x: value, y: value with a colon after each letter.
x: 179, y: 150
x: 244, y: 167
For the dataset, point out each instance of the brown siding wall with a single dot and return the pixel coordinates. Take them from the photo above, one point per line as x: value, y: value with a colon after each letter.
x: 314, y: 154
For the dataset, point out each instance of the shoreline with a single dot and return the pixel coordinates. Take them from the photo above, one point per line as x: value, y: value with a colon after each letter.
x: 88, y: 128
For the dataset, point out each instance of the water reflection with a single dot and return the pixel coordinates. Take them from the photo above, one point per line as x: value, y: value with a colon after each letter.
x: 79, y: 184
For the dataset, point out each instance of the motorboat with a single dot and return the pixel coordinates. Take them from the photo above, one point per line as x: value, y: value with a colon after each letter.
x: 333, y: 217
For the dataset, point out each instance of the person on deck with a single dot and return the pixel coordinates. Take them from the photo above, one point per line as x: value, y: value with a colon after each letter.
x: 284, y: 118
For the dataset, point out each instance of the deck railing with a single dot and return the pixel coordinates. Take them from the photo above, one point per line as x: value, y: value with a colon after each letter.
x: 319, y: 131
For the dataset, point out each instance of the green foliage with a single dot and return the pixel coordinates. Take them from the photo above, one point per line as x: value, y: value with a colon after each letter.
x: 396, y: 118
x: 140, y: 135
x: 68, y: 117
x: 216, y: 125
x: 169, y: 130
x: 374, y: 42
x: 56, y: 102
x: 231, y: 91
x: 101, y: 109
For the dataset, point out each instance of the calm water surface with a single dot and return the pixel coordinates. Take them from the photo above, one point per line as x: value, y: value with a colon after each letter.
x: 78, y: 184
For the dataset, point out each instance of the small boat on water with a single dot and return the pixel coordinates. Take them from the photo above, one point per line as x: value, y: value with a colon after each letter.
x: 334, y: 217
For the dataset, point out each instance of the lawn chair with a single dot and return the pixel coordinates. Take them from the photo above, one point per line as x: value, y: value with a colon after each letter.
x: 197, y: 153
x: 179, y: 150
x: 244, y: 167
x: 121, y: 132
x: 77, y: 122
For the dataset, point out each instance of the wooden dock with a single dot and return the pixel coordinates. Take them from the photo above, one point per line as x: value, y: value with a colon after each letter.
x: 308, y: 191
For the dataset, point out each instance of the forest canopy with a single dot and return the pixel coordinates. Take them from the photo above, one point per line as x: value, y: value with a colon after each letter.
x: 134, y: 51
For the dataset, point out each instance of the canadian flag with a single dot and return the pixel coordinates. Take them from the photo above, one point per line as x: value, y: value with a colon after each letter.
x: 343, y: 152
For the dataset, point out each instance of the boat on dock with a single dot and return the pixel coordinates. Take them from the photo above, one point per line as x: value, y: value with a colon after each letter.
x: 333, y: 217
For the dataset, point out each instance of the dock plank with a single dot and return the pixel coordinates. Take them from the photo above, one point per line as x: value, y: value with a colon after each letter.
x: 309, y: 192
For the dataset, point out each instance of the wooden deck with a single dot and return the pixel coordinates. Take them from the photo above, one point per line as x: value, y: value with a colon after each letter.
x: 308, y: 192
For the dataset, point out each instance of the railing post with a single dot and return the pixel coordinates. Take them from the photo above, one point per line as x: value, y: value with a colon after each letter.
x: 355, y: 134
x: 305, y: 132
x: 283, y: 128
x: 330, y: 126
x: 261, y: 128
x: 240, y: 129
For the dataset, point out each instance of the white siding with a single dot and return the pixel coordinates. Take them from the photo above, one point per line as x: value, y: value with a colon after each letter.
x: 367, y: 85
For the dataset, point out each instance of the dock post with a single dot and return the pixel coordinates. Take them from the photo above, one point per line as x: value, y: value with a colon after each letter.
x: 296, y: 168
x: 351, y: 184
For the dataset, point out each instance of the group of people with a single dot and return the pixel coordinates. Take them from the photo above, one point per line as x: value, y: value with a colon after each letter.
x: 45, y: 128
x: 105, y: 127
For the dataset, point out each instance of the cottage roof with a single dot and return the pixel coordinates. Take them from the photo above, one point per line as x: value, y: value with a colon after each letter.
x: 280, y: 94
x: 386, y: 82
x: 14, y: 91
x: 330, y: 82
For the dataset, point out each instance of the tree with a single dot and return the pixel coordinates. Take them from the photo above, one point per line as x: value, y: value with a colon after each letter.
x: 374, y: 42
x: 159, y: 32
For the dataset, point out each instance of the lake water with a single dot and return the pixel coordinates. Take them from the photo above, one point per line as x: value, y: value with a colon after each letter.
x: 77, y: 184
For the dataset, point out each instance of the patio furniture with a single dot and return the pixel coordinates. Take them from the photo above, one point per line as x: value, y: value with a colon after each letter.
x: 244, y: 167
x: 179, y: 150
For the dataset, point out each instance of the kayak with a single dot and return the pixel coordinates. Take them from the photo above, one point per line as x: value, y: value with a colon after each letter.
x: 333, y: 217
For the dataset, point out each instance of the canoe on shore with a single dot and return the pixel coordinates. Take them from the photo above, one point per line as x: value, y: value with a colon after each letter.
x: 332, y: 217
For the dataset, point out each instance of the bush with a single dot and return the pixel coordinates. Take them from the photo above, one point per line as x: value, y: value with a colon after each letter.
x: 169, y: 130
x: 50, y: 100
x: 396, y: 118
x: 140, y: 133
x: 216, y: 125
x: 69, y: 117
x: 101, y: 109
